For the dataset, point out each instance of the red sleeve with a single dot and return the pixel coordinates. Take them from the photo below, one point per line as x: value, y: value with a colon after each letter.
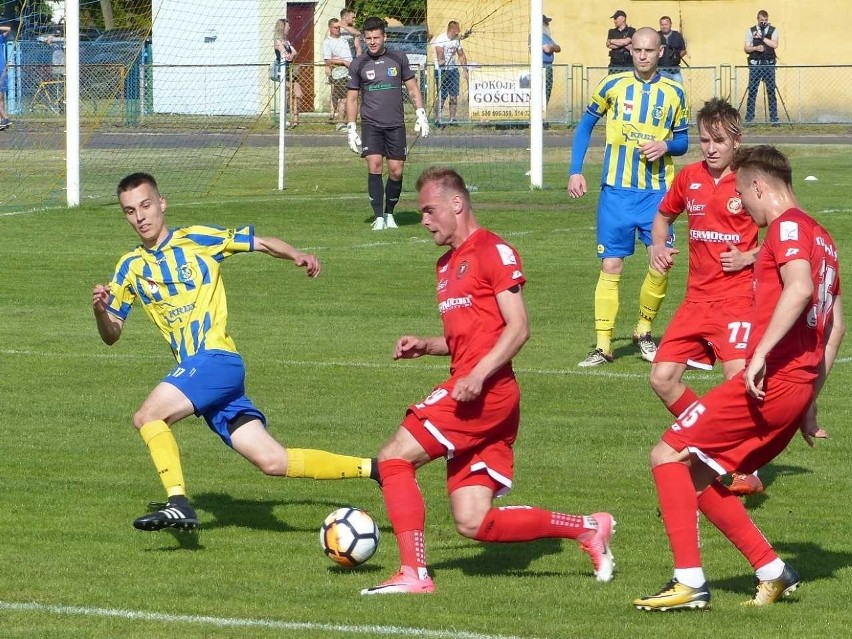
x: 674, y: 201
x: 793, y: 239
x: 502, y: 266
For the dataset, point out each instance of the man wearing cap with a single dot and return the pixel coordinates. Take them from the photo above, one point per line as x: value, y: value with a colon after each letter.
x: 618, y: 41
x: 548, y: 48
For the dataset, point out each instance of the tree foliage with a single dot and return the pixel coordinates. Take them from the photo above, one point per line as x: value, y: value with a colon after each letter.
x: 406, y: 11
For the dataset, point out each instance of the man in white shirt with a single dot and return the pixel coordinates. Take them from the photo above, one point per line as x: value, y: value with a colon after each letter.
x: 337, y: 56
x: 448, y: 56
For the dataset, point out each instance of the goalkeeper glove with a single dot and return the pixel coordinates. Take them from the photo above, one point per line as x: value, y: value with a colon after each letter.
x: 422, y: 126
x: 354, y: 140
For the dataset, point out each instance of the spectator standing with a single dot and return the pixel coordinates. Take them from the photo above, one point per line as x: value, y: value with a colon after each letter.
x: 285, y: 54
x: 349, y: 32
x: 548, y: 49
x: 796, y: 330
x: 472, y: 419
x: 761, y: 41
x: 337, y: 55
x: 448, y: 55
x: 674, y: 50
x: 619, y: 41
x: 647, y: 124
x: 5, y: 122
x: 378, y: 78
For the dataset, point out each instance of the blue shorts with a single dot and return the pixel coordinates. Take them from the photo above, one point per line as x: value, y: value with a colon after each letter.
x: 214, y: 381
x: 624, y: 215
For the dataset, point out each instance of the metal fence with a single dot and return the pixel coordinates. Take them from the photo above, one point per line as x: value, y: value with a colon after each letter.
x: 118, y: 84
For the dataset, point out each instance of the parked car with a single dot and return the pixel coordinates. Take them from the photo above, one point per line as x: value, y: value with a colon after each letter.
x: 412, y: 40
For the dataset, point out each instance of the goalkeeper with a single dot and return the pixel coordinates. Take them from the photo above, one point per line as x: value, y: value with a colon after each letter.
x: 379, y: 76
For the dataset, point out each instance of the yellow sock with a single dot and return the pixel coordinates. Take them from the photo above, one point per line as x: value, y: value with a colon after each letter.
x: 164, y: 451
x: 319, y: 464
x: 651, y: 297
x: 606, y: 308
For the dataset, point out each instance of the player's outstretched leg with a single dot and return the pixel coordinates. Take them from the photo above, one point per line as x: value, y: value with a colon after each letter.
x: 177, y: 513
x: 745, y: 484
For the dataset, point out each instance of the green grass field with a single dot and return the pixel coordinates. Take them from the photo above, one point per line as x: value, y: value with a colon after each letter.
x: 318, y: 355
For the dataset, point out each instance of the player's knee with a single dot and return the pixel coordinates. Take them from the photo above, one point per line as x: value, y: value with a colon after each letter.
x: 271, y: 464
x: 661, y: 382
x: 468, y: 526
x: 140, y: 418
x: 662, y: 453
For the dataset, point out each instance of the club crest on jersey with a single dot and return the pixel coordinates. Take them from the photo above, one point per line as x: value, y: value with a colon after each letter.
x: 186, y: 274
x: 371, y: 75
x: 392, y: 72
x: 627, y: 107
x: 507, y: 255
x: 460, y: 273
x: 735, y: 206
x: 153, y: 287
x: 657, y: 112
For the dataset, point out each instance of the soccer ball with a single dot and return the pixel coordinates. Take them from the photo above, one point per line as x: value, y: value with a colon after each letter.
x: 349, y: 536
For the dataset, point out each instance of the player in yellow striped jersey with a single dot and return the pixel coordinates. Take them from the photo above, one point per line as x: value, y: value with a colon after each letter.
x: 176, y: 276
x: 647, y: 122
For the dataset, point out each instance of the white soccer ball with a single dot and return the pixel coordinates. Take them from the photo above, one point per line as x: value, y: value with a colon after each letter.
x: 349, y: 536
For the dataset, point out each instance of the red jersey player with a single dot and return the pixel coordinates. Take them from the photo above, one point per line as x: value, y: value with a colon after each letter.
x: 471, y: 419
x: 712, y: 321
x: 796, y: 330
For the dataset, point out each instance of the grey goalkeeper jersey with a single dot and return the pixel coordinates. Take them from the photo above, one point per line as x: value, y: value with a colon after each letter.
x: 380, y: 79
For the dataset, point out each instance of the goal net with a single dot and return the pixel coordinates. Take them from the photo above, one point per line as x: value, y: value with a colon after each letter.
x: 186, y: 93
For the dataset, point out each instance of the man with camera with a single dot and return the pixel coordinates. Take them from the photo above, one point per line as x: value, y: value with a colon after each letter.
x: 761, y: 41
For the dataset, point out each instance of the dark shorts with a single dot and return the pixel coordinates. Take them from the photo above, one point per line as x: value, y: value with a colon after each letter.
x: 389, y: 143
x: 214, y: 381
x: 449, y: 83
x: 338, y: 89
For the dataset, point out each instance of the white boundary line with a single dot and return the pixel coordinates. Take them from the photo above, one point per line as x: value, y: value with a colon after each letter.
x: 548, y: 372
x: 236, y: 622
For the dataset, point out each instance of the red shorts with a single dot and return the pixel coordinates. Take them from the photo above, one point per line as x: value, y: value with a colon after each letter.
x: 702, y: 332
x: 476, y: 437
x: 729, y: 430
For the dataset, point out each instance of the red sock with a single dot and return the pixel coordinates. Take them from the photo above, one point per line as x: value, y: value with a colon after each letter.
x: 525, y: 523
x: 683, y: 402
x: 725, y: 511
x: 679, y: 506
x: 405, y: 508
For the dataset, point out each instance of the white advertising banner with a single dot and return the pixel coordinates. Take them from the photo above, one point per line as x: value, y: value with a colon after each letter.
x: 499, y: 94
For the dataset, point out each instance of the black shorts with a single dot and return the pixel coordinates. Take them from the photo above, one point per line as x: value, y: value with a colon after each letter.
x: 389, y: 143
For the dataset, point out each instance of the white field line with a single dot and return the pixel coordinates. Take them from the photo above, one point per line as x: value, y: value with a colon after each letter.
x: 236, y: 622
x: 548, y: 372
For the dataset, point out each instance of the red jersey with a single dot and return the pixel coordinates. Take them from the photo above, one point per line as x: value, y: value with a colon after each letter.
x: 469, y: 279
x: 795, y: 236
x: 715, y: 217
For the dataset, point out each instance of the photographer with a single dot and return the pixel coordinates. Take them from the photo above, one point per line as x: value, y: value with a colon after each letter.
x: 761, y: 41
x: 674, y: 50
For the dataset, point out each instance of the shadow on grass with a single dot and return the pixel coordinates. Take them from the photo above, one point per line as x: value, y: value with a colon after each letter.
x: 256, y: 514
x: 768, y: 474
x: 402, y: 218
x: 496, y: 559
x: 811, y: 561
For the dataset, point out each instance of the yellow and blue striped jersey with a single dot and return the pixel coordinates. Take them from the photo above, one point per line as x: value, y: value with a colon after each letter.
x: 637, y: 112
x: 180, y: 287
